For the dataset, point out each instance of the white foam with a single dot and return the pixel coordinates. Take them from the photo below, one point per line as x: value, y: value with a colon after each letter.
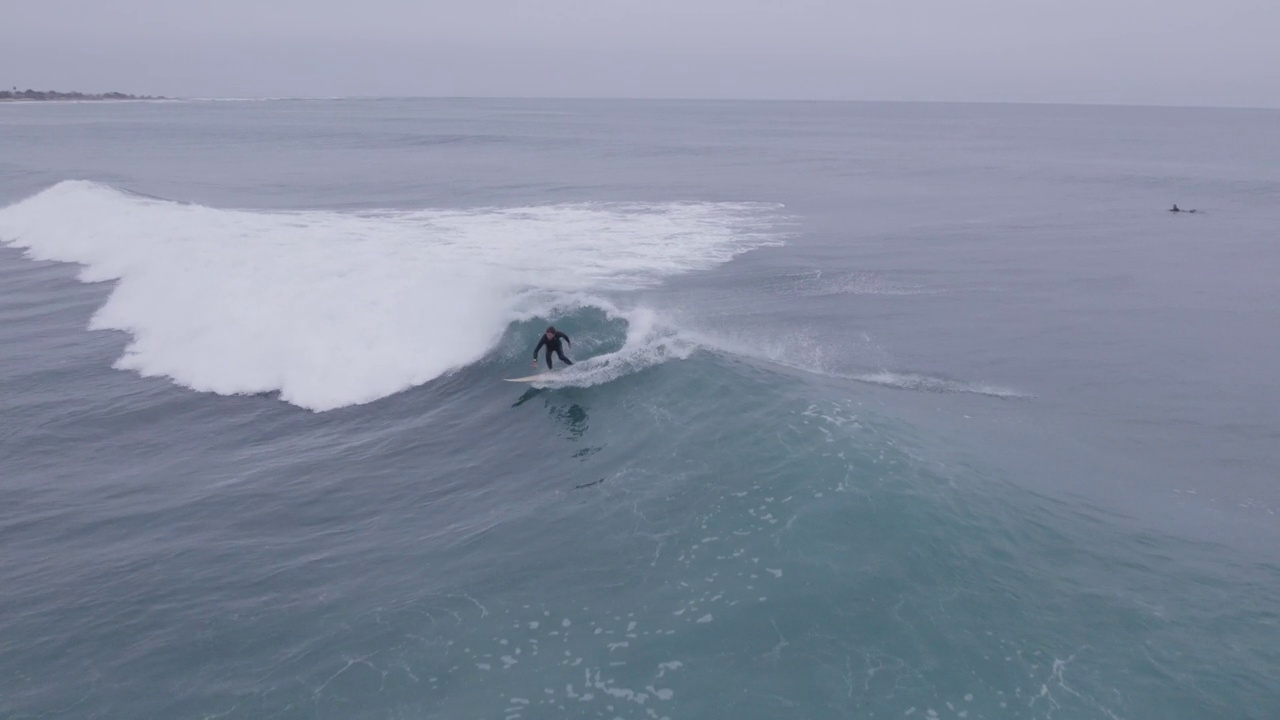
x: 335, y: 309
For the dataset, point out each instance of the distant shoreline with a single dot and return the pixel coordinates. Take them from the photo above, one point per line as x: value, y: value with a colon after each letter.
x: 55, y: 96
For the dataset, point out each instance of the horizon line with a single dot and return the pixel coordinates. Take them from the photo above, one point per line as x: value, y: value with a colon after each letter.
x: 604, y: 98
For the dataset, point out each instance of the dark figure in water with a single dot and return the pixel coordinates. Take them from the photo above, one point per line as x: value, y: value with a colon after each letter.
x: 1175, y: 208
x: 551, y: 338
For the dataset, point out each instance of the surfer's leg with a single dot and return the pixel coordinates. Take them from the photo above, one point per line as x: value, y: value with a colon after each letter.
x: 563, y: 359
x: 548, y: 358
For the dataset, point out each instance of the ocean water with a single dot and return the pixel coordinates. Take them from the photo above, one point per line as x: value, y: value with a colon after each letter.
x: 879, y: 411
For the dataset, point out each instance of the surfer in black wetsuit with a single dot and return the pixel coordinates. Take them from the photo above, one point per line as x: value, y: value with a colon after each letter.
x: 551, y: 338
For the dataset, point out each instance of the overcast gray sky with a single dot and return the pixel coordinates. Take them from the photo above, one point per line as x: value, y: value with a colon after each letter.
x: 1174, y: 52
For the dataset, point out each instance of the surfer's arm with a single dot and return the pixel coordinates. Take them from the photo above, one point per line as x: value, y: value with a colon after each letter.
x: 541, y: 341
x: 566, y: 339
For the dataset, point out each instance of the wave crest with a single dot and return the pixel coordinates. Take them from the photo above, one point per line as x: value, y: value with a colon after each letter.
x: 333, y: 309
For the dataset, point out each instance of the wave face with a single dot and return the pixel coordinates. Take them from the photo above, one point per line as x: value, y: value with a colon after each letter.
x: 334, y: 309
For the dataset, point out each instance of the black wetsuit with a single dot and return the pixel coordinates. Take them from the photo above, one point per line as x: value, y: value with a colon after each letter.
x: 553, y: 346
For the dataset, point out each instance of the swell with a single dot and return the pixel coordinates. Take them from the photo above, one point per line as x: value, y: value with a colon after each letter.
x: 330, y: 309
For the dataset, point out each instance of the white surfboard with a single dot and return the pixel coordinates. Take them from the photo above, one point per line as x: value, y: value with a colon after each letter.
x: 532, y: 378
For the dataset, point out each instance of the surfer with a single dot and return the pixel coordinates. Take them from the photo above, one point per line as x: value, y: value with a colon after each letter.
x: 1175, y: 208
x: 551, y: 338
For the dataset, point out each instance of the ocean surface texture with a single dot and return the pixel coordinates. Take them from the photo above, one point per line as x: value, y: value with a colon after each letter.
x: 879, y: 411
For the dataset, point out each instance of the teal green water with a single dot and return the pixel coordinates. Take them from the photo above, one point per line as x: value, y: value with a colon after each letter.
x: 905, y: 411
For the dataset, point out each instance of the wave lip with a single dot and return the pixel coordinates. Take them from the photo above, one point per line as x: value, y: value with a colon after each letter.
x: 333, y: 309
x: 805, y: 352
x: 648, y: 342
x: 926, y: 383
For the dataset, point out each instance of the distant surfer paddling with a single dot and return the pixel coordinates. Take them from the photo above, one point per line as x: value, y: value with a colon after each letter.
x: 551, y: 340
x: 1175, y: 208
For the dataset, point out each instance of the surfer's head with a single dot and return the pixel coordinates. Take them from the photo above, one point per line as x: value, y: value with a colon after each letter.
x: 551, y: 330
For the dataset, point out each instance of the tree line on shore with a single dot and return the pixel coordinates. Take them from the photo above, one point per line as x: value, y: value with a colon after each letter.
x: 16, y: 94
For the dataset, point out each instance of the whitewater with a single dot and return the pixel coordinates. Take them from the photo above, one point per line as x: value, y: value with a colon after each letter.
x: 331, y: 309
